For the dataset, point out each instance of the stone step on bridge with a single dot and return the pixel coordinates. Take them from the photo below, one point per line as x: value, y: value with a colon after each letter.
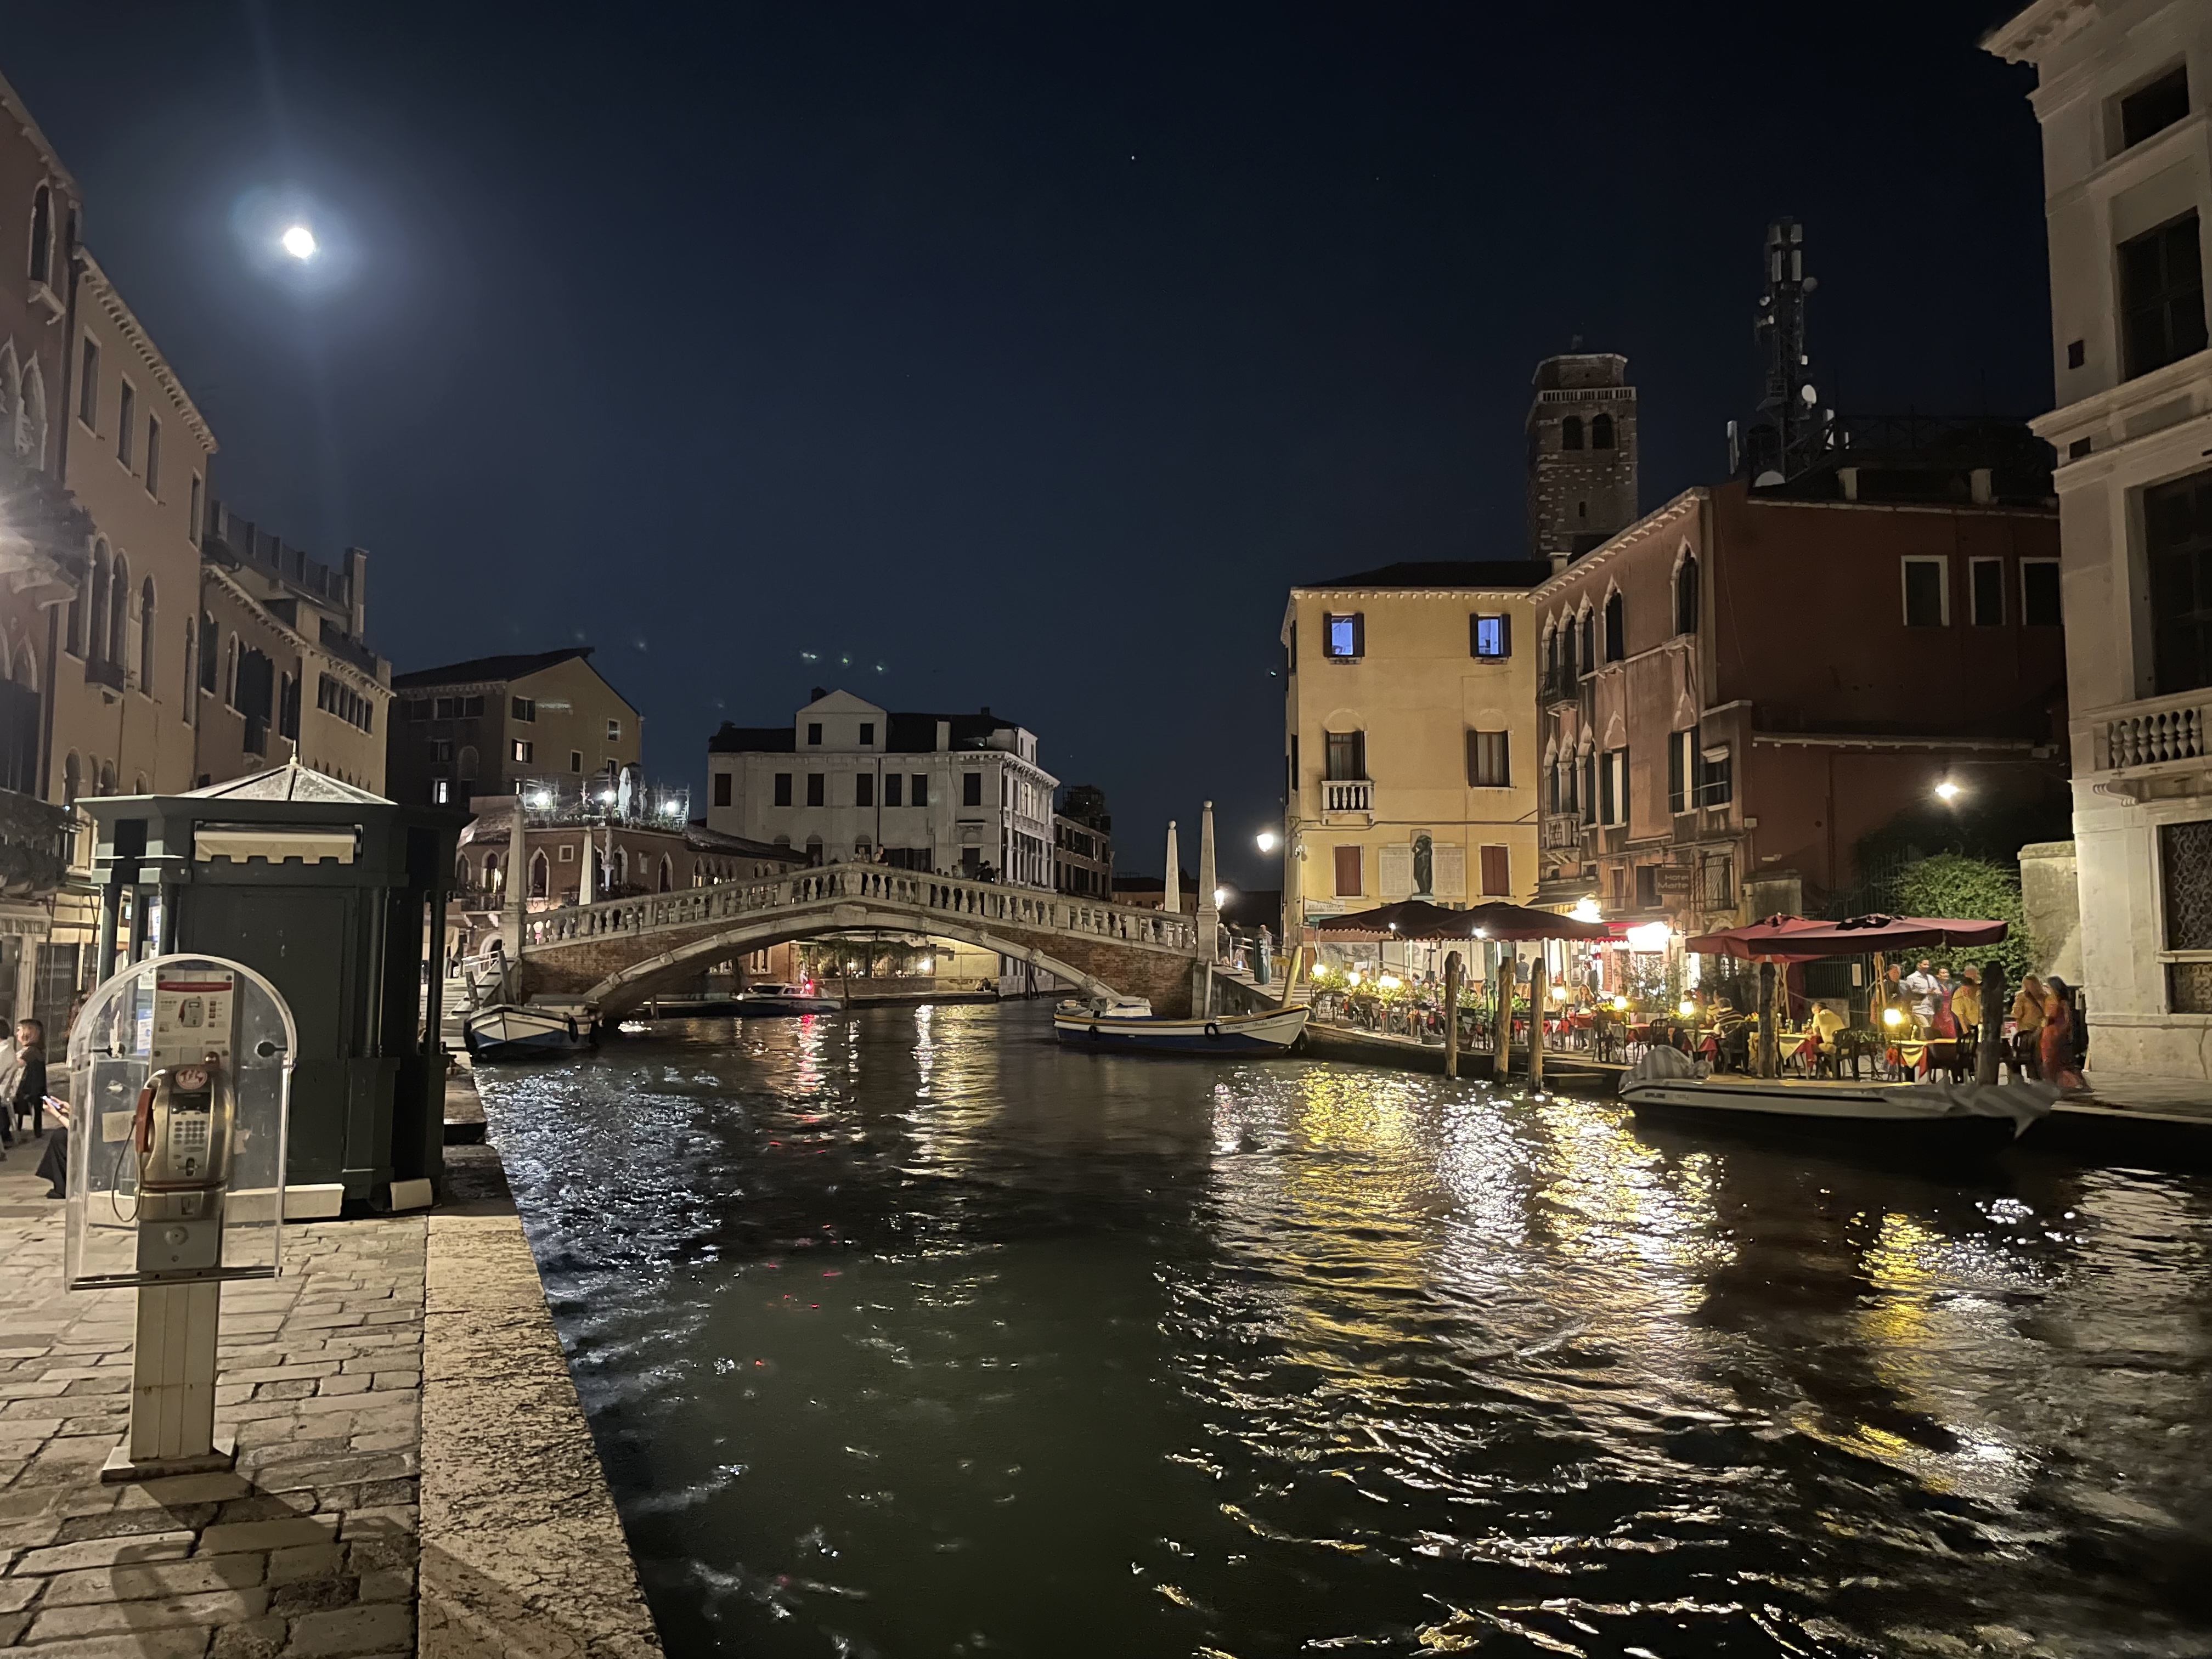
x: 617, y: 954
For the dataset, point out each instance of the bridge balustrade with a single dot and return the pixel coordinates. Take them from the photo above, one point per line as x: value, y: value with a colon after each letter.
x: 945, y: 896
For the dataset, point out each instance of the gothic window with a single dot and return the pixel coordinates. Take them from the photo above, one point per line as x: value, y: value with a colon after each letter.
x: 1616, y: 642
x: 95, y: 649
x: 1589, y: 642
x: 537, y: 874
x: 30, y: 429
x: 42, y: 234
x: 1686, y: 595
x: 1600, y: 431
x: 146, y: 636
x: 119, y: 613
x: 1571, y: 432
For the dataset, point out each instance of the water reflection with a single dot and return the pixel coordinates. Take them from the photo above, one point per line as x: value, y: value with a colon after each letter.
x: 907, y: 1333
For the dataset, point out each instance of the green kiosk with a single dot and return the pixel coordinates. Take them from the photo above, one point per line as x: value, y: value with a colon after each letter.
x: 338, y: 896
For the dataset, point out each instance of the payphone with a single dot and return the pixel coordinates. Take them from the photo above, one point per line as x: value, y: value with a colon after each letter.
x: 180, y: 1085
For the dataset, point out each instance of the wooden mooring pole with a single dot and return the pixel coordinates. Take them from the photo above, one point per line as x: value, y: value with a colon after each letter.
x: 1451, y: 1014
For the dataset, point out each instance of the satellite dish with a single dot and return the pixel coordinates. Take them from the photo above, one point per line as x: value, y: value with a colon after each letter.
x: 1769, y: 476
x: 1808, y: 394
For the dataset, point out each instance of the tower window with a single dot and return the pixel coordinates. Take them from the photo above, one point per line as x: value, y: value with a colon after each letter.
x: 1571, y: 432
x: 1600, y: 431
x: 2152, y: 109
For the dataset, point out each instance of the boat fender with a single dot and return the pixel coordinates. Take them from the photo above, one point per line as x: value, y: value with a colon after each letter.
x: 1214, y: 1029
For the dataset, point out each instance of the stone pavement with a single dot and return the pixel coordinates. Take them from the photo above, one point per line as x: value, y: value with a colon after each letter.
x: 307, y: 1549
x: 310, y: 1549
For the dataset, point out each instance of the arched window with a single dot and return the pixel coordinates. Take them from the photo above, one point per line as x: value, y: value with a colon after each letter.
x: 461, y: 871
x: 11, y: 397
x: 494, y: 878
x: 622, y: 868
x: 1600, y: 431
x: 72, y: 779
x: 1571, y: 432
x: 189, y: 707
x: 42, y: 234
x: 118, y: 612
x: 24, y: 669
x: 31, y: 430
x: 1686, y: 595
x: 146, y: 636
x: 107, y: 778
x: 1589, y: 642
x: 95, y: 612
x: 538, y: 874
x: 1567, y: 649
x: 1616, y: 642
x: 668, y: 873
x: 814, y: 849
x: 464, y: 766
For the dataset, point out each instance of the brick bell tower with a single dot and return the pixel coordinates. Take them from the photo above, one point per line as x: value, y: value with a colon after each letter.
x: 1581, y: 454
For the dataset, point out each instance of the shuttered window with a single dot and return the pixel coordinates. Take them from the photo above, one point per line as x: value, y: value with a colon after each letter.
x: 1347, y: 872
x: 1497, y: 872
x: 1487, y: 762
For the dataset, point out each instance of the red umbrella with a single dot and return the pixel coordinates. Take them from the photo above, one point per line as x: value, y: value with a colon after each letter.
x: 1862, y: 935
x: 1772, y: 939
x: 1414, y: 919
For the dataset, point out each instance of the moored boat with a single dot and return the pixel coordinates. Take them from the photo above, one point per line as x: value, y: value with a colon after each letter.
x: 509, y: 1030
x: 772, y: 999
x: 1664, y: 1086
x: 1127, y: 1025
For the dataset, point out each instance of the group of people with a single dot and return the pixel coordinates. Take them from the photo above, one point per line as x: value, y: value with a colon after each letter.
x: 2047, y: 1042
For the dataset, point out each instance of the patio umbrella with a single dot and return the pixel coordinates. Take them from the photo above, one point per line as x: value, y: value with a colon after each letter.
x: 1415, y: 919
x: 1771, y: 939
x: 1862, y: 935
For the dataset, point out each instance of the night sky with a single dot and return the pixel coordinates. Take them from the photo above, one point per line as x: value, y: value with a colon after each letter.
x: 1021, y: 356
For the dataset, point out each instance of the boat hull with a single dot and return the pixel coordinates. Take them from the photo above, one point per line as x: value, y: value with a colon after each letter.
x: 1852, y: 1113
x: 507, y: 1033
x: 752, y: 1007
x: 1272, y: 1032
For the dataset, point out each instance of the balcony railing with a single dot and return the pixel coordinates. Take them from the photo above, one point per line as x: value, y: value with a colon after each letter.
x: 1563, y: 831
x: 1347, y: 795
x: 2154, y: 731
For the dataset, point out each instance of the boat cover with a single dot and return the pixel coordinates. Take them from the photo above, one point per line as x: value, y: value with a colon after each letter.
x: 2022, y: 1102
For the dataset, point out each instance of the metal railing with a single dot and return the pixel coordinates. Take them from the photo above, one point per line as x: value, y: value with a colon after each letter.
x: 2159, y: 729
x: 1347, y: 795
x: 949, y: 896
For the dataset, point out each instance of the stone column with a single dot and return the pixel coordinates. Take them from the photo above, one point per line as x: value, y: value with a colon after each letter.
x: 518, y: 880
x: 1209, y: 913
x: 1171, y: 898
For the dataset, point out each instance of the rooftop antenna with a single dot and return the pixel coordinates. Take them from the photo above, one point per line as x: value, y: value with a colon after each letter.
x: 1790, y: 406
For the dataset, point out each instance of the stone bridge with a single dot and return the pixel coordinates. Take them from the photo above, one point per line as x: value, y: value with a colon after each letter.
x: 619, y: 952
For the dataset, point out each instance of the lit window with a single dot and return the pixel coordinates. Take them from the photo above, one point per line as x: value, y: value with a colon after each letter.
x: 1493, y: 636
x: 523, y: 749
x: 1346, y: 637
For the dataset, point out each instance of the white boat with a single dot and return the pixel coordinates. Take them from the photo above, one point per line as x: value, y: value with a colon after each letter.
x: 772, y: 999
x: 510, y: 1030
x: 1130, y: 1023
x: 1664, y: 1085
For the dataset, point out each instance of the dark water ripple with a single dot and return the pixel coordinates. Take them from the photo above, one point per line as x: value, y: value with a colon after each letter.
x: 909, y: 1334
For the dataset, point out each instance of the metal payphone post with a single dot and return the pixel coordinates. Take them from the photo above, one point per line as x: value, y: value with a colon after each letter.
x: 179, y: 1072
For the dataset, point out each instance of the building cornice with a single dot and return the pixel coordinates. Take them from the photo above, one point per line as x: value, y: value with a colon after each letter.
x: 127, y: 325
x: 2035, y: 32
x: 2144, y: 389
x: 1865, y: 740
x: 1658, y: 518
x: 20, y: 114
x: 363, y: 680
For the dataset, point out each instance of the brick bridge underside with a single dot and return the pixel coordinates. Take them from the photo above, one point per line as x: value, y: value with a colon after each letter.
x: 620, y: 970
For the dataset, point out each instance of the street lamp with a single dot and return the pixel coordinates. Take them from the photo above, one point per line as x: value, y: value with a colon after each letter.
x: 1946, y: 792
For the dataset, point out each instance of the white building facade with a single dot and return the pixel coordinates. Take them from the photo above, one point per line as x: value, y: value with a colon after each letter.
x: 2127, y: 156
x: 850, y: 780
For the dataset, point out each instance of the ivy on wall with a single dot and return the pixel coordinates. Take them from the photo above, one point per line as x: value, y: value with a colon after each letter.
x: 1983, y: 890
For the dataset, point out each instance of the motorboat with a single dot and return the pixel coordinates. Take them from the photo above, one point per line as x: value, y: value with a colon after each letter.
x: 1665, y: 1085
x: 508, y: 1031
x: 1128, y: 1023
x: 773, y: 999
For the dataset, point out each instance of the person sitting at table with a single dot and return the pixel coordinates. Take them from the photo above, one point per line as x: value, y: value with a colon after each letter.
x: 1966, y: 1023
x: 2027, y: 1030
x: 1827, y: 1024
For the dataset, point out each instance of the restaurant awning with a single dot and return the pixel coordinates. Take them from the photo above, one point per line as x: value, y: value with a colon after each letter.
x: 1799, y: 939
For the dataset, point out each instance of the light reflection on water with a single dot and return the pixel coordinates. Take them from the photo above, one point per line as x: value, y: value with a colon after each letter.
x: 908, y: 1334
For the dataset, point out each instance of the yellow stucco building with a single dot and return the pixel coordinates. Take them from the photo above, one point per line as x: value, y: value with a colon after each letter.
x: 1410, y: 737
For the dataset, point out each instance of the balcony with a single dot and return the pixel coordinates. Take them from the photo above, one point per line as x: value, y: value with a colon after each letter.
x: 1347, y: 795
x: 2157, y: 747
x: 109, y: 674
x: 1563, y: 832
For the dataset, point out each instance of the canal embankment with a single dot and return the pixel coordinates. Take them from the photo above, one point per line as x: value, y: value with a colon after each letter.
x: 414, y: 1473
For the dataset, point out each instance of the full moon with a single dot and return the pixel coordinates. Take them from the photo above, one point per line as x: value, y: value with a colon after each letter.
x: 300, y: 242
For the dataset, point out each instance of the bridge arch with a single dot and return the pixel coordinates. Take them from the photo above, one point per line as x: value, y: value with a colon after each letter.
x: 634, y: 984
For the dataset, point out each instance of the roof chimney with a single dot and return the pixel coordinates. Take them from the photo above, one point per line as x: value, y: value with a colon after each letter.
x: 817, y: 694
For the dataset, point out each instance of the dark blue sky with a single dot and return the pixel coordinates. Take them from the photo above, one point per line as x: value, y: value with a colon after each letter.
x: 1029, y: 352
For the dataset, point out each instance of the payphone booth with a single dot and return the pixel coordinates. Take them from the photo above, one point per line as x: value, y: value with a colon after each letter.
x: 180, y: 1083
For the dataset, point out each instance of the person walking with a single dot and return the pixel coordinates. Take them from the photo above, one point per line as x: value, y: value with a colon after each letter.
x: 2055, y: 1043
x: 2028, y: 1028
x: 28, y: 1099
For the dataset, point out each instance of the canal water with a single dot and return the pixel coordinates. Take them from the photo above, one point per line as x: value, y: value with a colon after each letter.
x: 908, y: 1334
